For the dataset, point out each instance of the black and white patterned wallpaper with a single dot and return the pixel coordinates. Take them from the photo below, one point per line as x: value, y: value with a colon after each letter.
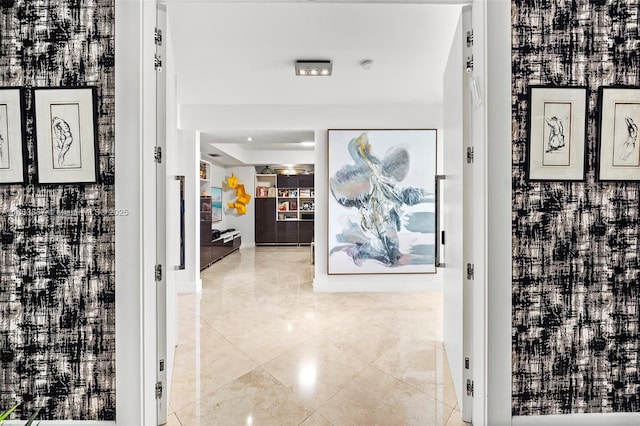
x: 576, y: 248
x: 57, y: 242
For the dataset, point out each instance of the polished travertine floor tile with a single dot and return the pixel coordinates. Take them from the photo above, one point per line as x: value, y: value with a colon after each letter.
x: 255, y: 398
x: 259, y: 347
x: 376, y: 398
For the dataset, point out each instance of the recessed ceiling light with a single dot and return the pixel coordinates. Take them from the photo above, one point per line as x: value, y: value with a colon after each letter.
x: 249, y: 138
x: 307, y: 143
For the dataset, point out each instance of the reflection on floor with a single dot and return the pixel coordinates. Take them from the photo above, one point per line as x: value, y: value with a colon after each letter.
x: 261, y: 348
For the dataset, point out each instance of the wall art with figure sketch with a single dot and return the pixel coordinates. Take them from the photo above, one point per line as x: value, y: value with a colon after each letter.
x: 557, y: 120
x: 618, y: 142
x: 11, y: 136
x: 382, y: 201
x: 66, y: 135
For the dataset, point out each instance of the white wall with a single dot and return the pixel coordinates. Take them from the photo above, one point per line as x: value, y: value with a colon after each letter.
x: 308, y: 117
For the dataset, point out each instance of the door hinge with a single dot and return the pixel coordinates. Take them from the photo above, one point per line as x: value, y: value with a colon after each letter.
x: 157, y: 36
x: 470, y: 271
x: 470, y: 156
x: 157, y: 154
x: 469, y: 38
x: 159, y: 390
x: 158, y: 273
x: 157, y: 62
x: 469, y: 64
x: 469, y: 387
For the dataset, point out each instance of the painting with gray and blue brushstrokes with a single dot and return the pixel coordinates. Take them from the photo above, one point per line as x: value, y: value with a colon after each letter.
x: 382, y: 201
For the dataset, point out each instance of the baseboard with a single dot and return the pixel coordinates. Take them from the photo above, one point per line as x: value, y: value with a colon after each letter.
x: 189, y: 287
x: 59, y: 423
x: 378, y: 283
x: 609, y: 419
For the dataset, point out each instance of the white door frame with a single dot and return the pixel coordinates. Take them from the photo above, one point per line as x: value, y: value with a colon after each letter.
x: 135, y: 194
x: 492, y: 203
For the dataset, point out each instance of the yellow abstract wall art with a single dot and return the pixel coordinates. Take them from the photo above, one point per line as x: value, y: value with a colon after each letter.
x: 242, y: 198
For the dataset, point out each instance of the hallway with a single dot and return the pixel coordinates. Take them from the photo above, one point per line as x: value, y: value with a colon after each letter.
x: 260, y: 348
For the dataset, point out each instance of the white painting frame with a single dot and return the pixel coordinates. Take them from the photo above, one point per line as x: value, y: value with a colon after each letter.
x: 557, y: 133
x: 619, y: 143
x: 12, y: 168
x: 66, y: 134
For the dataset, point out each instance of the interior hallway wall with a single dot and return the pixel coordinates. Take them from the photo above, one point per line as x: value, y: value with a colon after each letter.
x: 57, y: 269
x: 576, y: 254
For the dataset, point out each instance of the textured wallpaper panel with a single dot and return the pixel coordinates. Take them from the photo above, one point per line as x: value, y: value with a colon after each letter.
x: 57, y: 271
x: 576, y: 266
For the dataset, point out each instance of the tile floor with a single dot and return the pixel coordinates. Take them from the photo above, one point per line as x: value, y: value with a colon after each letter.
x: 259, y: 347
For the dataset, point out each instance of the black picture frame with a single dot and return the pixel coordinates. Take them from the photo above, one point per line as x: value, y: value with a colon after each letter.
x: 618, y: 139
x: 13, y: 151
x: 66, y: 134
x: 556, y: 133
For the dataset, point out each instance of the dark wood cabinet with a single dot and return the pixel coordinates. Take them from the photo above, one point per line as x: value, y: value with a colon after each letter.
x: 212, y: 251
x: 287, y: 232
x: 306, y: 181
x: 305, y: 231
x: 265, y: 220
x: 287, y: 181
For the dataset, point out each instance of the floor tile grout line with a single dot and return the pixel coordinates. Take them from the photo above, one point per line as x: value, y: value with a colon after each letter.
x: 414, y: 387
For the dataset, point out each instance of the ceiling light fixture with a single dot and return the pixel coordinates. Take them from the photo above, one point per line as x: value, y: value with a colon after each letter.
x: 249, y: 139
x: 315, y: 67
x: 308, y: 143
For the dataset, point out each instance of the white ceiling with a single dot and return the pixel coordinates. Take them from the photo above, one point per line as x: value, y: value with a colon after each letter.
x: 243, y: 53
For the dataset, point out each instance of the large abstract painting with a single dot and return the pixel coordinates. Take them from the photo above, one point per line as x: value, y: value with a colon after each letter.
x: 382, y: 201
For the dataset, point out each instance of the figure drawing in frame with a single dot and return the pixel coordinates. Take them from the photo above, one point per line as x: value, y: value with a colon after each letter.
x: 65, y: 131
x: 557, y: 134
x: 626, y: 149
x: 372, y: 186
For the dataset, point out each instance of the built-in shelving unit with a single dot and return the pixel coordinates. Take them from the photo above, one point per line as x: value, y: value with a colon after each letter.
x: 285, y: 208
x: 205, y: 178
x: 212, y: 247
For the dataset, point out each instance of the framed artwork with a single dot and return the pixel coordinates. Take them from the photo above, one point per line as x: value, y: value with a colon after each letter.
x: 619, y: 148
x: 12, y: 154
x: 556, y: 133
x: 66, y: 134
x: 216, y: 204
x: 381, y: 216
x: 262, y: 191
